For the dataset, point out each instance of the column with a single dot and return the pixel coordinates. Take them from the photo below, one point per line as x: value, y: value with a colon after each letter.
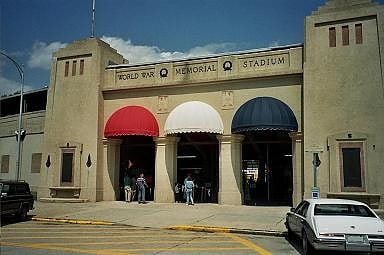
x: 111, y: 169
x: 230, y: 164
x: 166, y: 167
x: 297, y: 167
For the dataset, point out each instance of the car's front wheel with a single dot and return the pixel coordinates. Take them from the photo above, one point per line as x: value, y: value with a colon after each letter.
x: 307, y: 247
x: 22, y: 215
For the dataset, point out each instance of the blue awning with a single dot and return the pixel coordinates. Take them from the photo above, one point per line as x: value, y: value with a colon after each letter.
x: 264, y: 113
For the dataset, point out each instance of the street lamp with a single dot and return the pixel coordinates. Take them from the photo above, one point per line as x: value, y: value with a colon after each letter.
x: 21, y: 72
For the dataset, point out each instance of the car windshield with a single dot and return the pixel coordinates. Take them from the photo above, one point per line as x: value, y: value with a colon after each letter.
x: 343, y: 210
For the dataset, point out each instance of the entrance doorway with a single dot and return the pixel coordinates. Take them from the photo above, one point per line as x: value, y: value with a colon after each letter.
x: 197, y: 155
x: 137, y: 155
x: 267, y: 168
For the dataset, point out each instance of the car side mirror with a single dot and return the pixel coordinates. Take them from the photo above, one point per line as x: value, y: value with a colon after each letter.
x: 292, y: 209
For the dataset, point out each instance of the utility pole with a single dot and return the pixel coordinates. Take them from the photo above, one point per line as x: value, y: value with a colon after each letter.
x: 19, y: 129
x: 93, y: 19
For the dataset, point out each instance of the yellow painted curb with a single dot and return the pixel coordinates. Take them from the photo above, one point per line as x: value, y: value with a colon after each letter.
x: 225, y: 230
x: 89, y: 222
x: 200, y: 229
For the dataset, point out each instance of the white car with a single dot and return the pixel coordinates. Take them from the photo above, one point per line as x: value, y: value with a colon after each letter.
x: 336, y: 224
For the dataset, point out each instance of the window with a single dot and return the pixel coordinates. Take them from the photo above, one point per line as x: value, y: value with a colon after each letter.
x: 36, y: 163
x: 74, y: 67
x: 67, y: 167
x: 359, y: 33
x: 66, y: 68
x: 81, y: 67
x: 352, y: 167
x: 343, y: 210
x: 332, y: 37
x: 5, y: 164
x: 302, y: 208
x: 345, y: 35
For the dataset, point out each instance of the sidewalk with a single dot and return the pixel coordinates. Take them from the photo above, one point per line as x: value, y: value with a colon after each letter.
x: 200, y: 217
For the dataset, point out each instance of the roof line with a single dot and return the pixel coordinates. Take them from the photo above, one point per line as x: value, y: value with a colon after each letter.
x: 207, y: 56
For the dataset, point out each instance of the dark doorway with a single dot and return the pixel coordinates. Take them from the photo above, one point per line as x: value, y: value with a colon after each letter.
x: 198, y: 156
x: 137, y: 155
x: 267, y: 168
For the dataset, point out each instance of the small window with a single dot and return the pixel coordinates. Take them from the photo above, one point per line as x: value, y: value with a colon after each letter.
x: 36, y: 163
x: 345, y: 35
x: 74, y: 63
x: 81, y: 66
x: 332, y: 37
x: 66, y: 71
x: 359, y: 33
x: 67, y: 167
x: 5, y: 164
x: 352, y: 167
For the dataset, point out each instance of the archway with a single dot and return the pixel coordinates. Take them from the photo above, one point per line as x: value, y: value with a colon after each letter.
x: 135, y: 126
x: 267, y: 150
x: 197, y: 124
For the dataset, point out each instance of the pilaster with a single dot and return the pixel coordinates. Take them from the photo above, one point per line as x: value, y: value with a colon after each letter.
x: 166, y: 167
x: 230, y: 176
x: 111, y: 169
x: 297, y: 167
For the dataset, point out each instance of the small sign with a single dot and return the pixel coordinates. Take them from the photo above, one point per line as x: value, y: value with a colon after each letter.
x: 314, y: 148
x: 315, y: 192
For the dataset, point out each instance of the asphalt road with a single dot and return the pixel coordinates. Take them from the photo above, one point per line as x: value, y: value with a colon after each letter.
x: 34, y: 238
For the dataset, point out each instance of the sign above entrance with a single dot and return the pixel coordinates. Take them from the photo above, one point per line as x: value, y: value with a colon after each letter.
x: 220, y: 68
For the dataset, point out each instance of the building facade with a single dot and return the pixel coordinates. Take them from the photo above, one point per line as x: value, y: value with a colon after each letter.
x: 250, y: 127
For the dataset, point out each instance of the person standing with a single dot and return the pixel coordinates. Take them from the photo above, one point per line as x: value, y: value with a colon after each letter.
x: 177, y: 192
x: 133, y: 187
x: 127, y: 188
x: 141, y: 185
x: 189, y: 185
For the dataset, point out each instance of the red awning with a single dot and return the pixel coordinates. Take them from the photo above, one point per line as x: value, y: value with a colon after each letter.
x: 131, y: 120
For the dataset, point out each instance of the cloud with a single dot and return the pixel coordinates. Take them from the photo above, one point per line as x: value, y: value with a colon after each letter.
x: 274, y: 44
x: 9, y: 87
x: 144, y: 53
x: 41, y: 55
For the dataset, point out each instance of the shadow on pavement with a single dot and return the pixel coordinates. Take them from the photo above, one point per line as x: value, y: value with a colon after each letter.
x: 9, y: 219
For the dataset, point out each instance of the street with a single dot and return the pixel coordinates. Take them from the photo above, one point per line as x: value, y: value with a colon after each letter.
x: 32, y: 237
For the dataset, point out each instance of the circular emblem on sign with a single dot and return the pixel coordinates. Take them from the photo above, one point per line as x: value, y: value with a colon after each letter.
x: 164, y: 72
x: 227, y: 65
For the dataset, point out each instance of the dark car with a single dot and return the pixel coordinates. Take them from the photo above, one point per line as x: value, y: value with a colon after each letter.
x: 16, y: 198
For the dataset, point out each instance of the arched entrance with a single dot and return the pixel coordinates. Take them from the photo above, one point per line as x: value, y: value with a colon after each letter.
x: 134, y: 127
x: 267, y: 150
x: 196, y: 124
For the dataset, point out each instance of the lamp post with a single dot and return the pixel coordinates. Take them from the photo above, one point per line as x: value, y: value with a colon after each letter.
x: 21, y: 72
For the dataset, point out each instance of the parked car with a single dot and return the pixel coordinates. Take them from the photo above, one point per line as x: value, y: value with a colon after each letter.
x: 16, y: 198
x: 336, y: 224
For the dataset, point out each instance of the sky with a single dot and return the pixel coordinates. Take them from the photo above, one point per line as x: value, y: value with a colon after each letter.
x: 141, y: 30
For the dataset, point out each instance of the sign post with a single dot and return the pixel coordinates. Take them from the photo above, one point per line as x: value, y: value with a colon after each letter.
x: 315, y: 193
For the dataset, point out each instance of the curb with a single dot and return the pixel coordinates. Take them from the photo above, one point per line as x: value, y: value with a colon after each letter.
x: 177, y: 227
x: 227, y: 230
x: 72, y: 221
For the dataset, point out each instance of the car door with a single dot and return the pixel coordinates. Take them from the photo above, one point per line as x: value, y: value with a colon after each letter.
x: 292, y: 218
x: 8, y: 199
x: 298, y: 217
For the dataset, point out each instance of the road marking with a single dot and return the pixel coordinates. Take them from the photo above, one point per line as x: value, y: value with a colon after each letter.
x: 98, y: 236
x: 139, y: 242
x: 46, y: 247
x: 179, y: 249
x: 248, y: 244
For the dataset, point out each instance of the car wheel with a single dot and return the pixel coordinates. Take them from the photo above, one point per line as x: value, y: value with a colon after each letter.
x: 23, y: 213
x: 307, y: 247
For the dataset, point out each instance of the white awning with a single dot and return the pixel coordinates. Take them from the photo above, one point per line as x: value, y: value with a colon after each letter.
x: 192, y: 117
